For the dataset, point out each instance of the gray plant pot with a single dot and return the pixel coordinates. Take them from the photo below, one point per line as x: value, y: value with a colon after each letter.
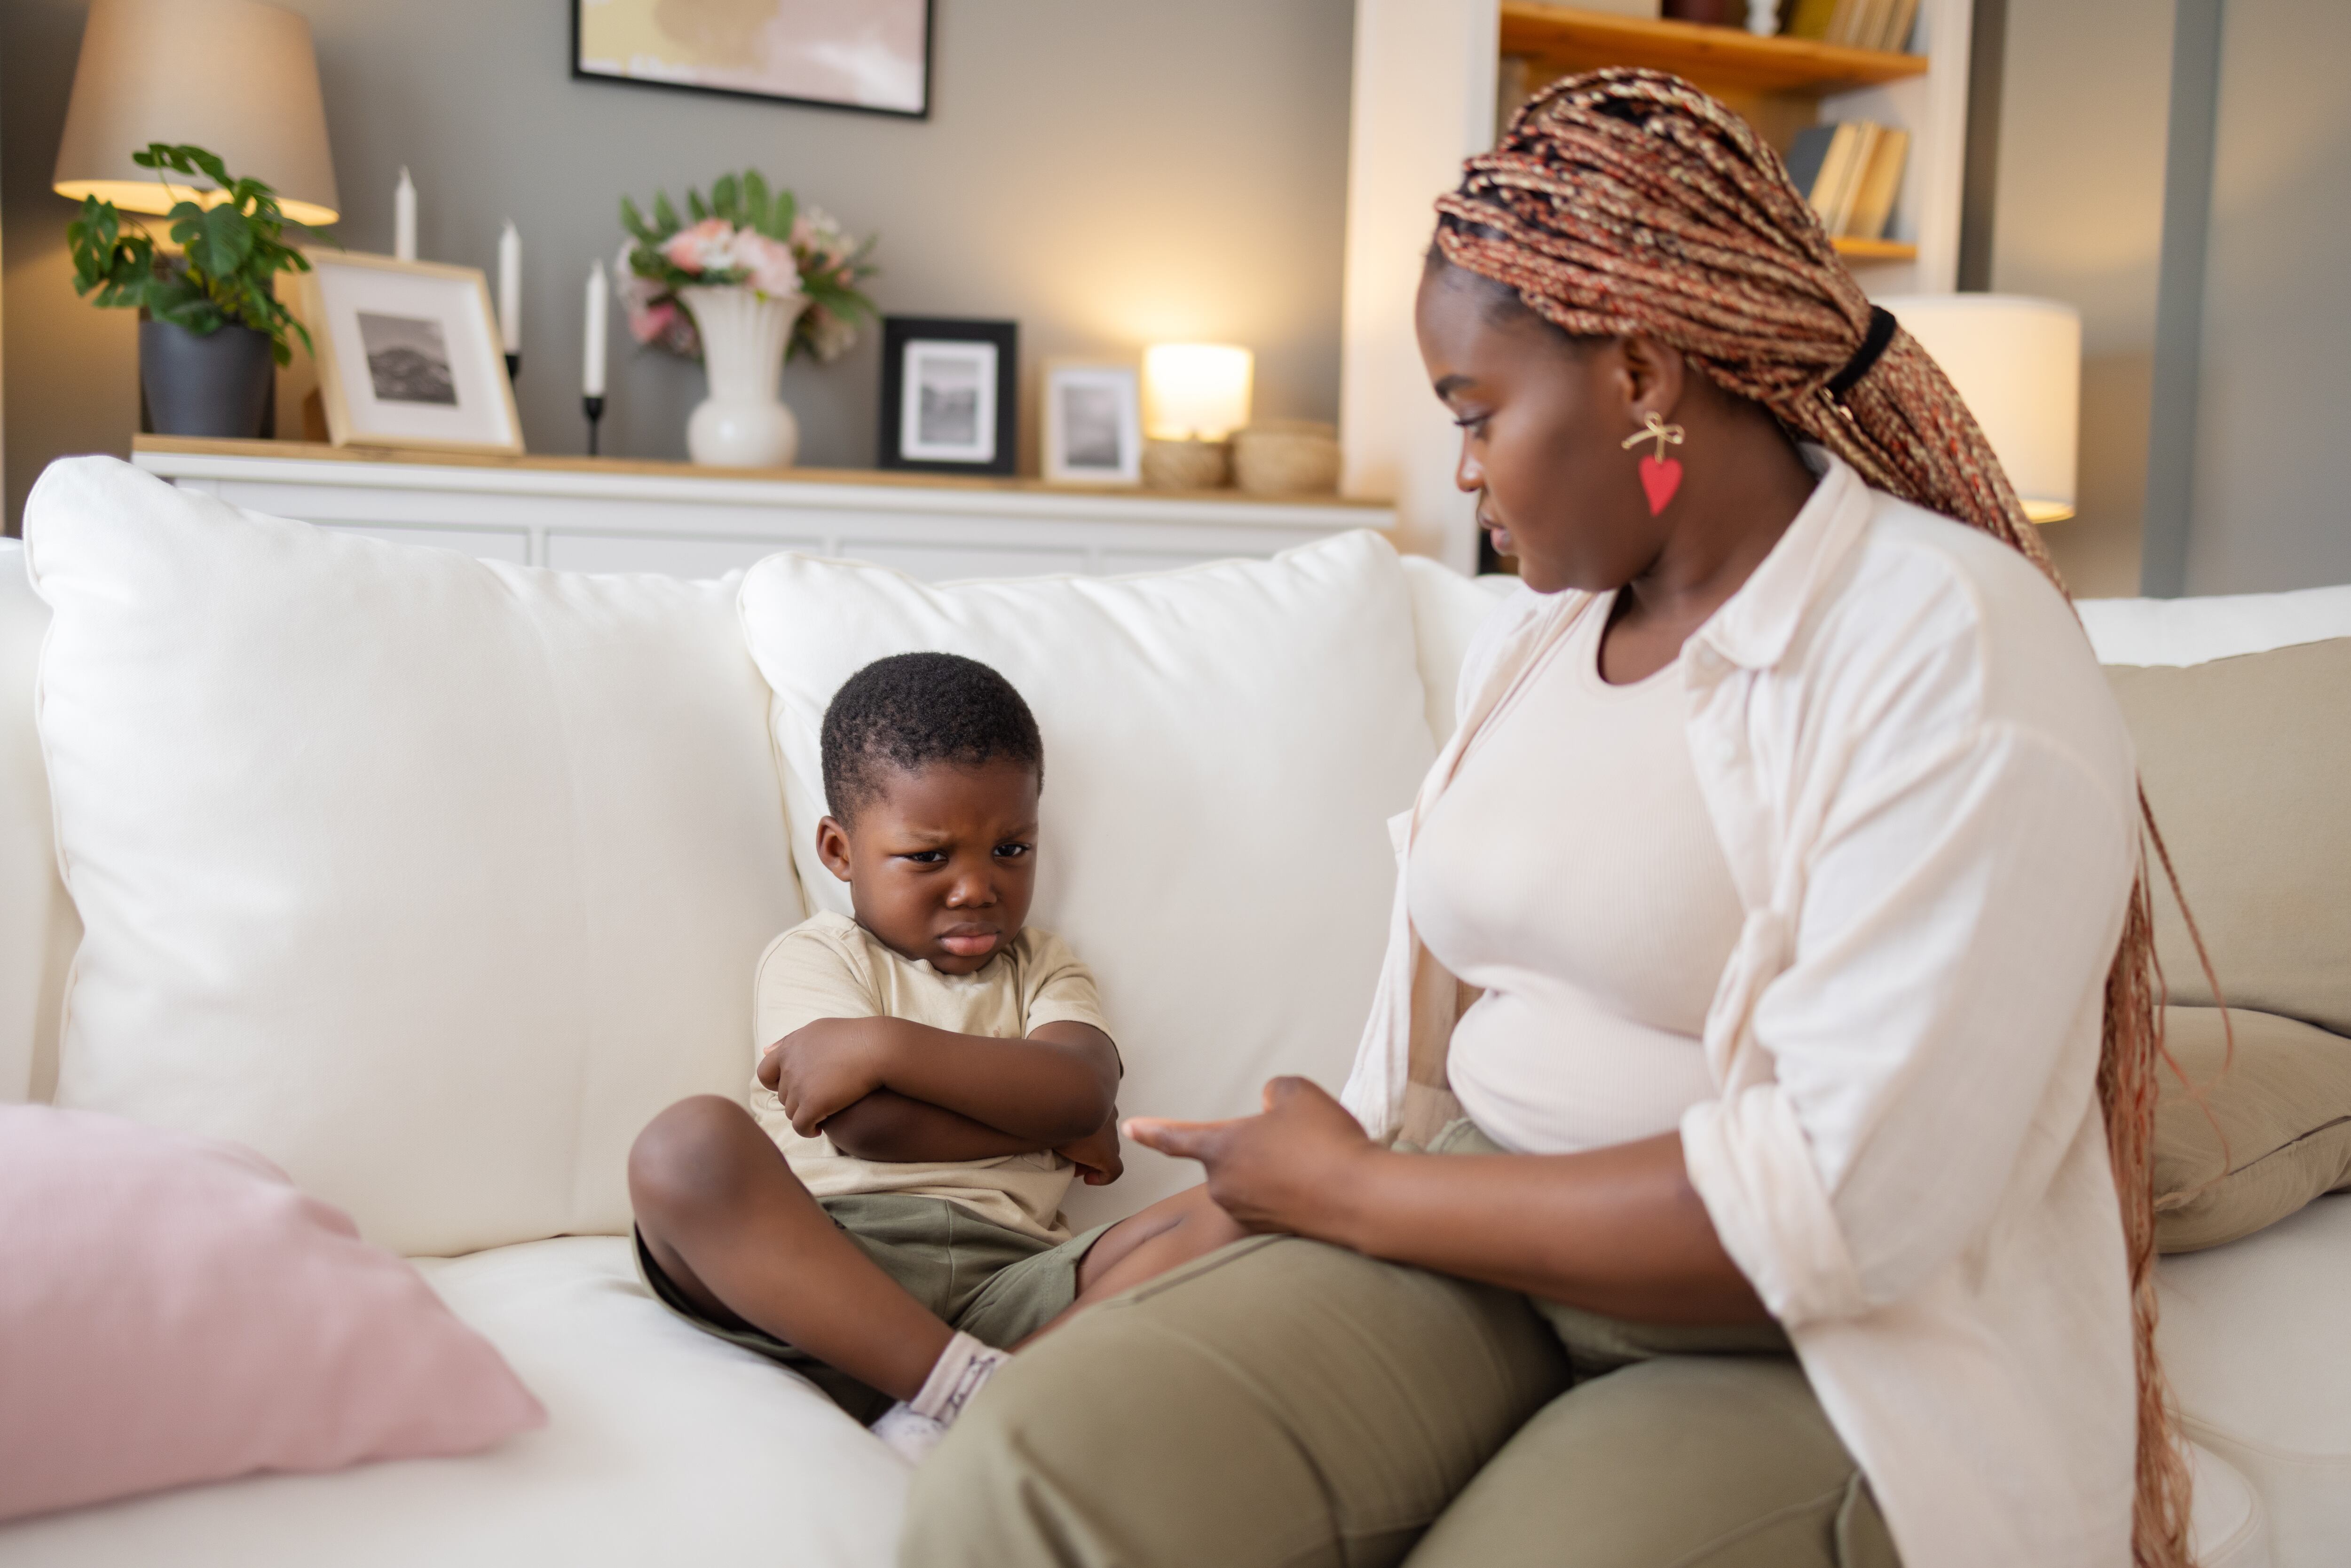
x: 216, y: 384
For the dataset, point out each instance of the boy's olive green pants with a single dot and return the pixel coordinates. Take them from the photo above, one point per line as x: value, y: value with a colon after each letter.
x: 1283, y: 1403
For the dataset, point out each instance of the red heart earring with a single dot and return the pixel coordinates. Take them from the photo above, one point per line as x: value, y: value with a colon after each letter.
x: 1660, y: 475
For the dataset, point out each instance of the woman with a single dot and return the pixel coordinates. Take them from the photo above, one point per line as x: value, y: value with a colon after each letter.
x: 1770, y: 958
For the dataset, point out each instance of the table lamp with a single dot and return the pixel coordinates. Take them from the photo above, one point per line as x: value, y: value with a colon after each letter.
x: 237, y: 79
x: 2017, y: 362
x: 1194, y: 395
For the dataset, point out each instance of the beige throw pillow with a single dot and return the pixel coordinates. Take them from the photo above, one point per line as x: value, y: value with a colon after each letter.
x: 2284, y: 1107
x: 2247, y: 764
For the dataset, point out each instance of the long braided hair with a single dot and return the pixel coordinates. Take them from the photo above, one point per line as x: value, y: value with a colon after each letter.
x: 1629, y: 202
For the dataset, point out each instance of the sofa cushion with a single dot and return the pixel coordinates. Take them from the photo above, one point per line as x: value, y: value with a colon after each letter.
x: 2247, y: 766
x: 173, y: 1311
x: 1223, y: 746
x: 430, y: 878
x: 2246, y: 1142
x: 2252, y: 1338
x: 663, y: 1446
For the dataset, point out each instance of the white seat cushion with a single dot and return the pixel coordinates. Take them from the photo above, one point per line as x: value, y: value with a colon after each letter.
x: 431, y: 878
x: 662, y: 1445
x: 2253, y: 1338
x: 1223, y: 746
x: 2194, y: 631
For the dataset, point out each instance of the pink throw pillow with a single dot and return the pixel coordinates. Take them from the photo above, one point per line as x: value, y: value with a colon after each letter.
x: 173, y: 1311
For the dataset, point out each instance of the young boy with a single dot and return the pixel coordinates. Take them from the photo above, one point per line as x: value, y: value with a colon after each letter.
x: 886, y: 1218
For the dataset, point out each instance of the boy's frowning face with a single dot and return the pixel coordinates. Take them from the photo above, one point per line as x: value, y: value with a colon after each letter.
x: 941, y: 860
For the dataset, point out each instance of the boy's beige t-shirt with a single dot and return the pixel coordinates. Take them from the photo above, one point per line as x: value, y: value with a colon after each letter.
x: 829, y: 967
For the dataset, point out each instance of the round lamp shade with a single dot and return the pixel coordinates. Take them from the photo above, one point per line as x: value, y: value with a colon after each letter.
x: 1195, y: 392
x: 229, y: 76
x: 2017, y: 362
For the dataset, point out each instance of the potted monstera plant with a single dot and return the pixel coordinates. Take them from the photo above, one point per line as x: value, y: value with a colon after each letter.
x: 210, y: 326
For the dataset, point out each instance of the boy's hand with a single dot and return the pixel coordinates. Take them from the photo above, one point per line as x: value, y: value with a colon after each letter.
x: 1096, y: 1155
x: 822, y: 1069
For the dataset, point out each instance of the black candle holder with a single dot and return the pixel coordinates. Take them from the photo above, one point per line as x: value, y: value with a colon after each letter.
x: 514, y: 366
x: 594, y: 407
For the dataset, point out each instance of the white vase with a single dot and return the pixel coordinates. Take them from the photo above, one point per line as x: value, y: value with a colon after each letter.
x: 743, y: 424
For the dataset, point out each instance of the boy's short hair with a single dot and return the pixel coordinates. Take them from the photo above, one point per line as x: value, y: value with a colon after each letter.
x: 911, y: 710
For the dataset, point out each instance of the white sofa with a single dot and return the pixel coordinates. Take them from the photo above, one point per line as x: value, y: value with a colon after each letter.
x: 666, y: 1445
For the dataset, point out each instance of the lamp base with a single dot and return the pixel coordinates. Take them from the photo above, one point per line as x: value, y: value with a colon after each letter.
x: 1186, y: 464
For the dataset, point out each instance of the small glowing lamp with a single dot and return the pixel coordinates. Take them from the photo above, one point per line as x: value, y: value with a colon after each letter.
x: 1195, y: 392
x: 2017, y: 364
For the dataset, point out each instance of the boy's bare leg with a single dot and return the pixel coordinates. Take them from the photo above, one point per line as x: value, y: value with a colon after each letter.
x: 723, y: 1214
x: 1145, y: 1245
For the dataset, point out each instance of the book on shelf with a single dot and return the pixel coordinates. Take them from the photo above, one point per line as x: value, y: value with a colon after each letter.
x: 1850, y: 171
x: 1856, y: 23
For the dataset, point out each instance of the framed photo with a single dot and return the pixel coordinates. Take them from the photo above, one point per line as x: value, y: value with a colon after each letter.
x: 869, y: 55
x: 950, y: 393
x: 408, y: 354
x: 1093, y: 424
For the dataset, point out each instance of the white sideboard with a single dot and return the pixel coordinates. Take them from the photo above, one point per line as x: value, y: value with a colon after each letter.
x: 609, y: 515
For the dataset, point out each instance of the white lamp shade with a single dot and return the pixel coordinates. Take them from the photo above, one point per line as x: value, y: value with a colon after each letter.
x: 1195, y: 392
x: 229, y: 76
x: 2017, y: 362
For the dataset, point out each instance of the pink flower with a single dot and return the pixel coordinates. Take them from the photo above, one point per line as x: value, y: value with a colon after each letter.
x: 706, y: 247
x: 648, y: 322
x: 768, y: 265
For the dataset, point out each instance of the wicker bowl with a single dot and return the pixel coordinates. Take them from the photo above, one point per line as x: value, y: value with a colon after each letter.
x: 1286, y: 457
x: 1185, y: 465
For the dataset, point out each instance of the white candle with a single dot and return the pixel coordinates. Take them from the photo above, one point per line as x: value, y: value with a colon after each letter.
x: 510, y: 288
x: 403, y: 218
x: 591, y: 379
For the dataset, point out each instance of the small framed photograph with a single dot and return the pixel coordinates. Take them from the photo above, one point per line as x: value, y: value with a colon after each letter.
x: 870, y: 55
x: 949, y: 395
x: 408, y: 354
x: 1093, y: 424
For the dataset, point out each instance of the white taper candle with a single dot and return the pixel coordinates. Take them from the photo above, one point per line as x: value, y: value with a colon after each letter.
x: 404, y: 217
x: 510, y: 288
x: 591, y: 378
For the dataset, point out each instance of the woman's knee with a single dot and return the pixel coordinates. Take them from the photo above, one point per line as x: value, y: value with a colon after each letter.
x: 691, y: 1155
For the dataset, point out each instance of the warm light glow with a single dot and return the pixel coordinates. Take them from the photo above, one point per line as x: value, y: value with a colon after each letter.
x: 1195, y: 392
x: 2017, y: 362
x: 154, y: 196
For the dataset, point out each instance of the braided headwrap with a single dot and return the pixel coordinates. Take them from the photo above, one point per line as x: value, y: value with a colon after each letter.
x: 1629, y: 202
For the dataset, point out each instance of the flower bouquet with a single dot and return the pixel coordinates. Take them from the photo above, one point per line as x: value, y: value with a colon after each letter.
x: 745, y: 236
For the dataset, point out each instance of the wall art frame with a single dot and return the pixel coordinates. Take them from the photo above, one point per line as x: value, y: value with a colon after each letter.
x: 408, y: 354
x: 870, y: 57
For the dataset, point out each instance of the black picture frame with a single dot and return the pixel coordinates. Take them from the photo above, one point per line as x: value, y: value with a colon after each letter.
x: 930, y: 37
x: 927, y: 343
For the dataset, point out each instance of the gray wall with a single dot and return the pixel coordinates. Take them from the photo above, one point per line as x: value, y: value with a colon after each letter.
x: 2272, y: 488
x: 2079, y: 217
x: 1107, y: 172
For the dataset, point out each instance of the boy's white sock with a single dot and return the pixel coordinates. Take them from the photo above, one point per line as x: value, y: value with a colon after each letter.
x: 914, y: 1427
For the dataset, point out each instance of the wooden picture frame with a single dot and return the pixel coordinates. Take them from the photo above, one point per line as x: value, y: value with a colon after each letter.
x: 1093, y: 422
x: 950, y: 395
x: 627, y: 42
x: 408, y: 354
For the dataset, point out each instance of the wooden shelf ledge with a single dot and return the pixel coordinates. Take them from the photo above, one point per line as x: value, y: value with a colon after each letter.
x: 1875, y: 249
x: 1567, y: 40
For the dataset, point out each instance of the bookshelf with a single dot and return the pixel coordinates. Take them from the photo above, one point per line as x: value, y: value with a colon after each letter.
x: 1776, y: 83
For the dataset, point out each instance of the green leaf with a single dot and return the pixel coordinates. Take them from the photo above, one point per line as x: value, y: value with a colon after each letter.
x: 755, y: 200
x: 696, y: 205
x: 634, y: 220
x: 724, y: 194
x: 664, y: 215
x: 781, y: 215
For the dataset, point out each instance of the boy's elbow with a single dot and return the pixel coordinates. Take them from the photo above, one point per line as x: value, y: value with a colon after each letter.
x: 877, y: 1127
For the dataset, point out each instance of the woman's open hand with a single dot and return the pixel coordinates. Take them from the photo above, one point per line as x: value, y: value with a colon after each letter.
x: 1287, y: 1169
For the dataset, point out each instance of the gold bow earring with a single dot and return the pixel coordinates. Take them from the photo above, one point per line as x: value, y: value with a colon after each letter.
x: 1660, y: 475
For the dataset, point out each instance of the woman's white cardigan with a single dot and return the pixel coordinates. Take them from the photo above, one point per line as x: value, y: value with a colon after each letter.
x: 1928, y: 803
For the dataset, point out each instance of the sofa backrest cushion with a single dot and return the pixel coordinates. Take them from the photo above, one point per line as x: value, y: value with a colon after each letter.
x: 2247, y: 765
x: 429, y: 878
x: 37, y: 920
x: 1223, y: 746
